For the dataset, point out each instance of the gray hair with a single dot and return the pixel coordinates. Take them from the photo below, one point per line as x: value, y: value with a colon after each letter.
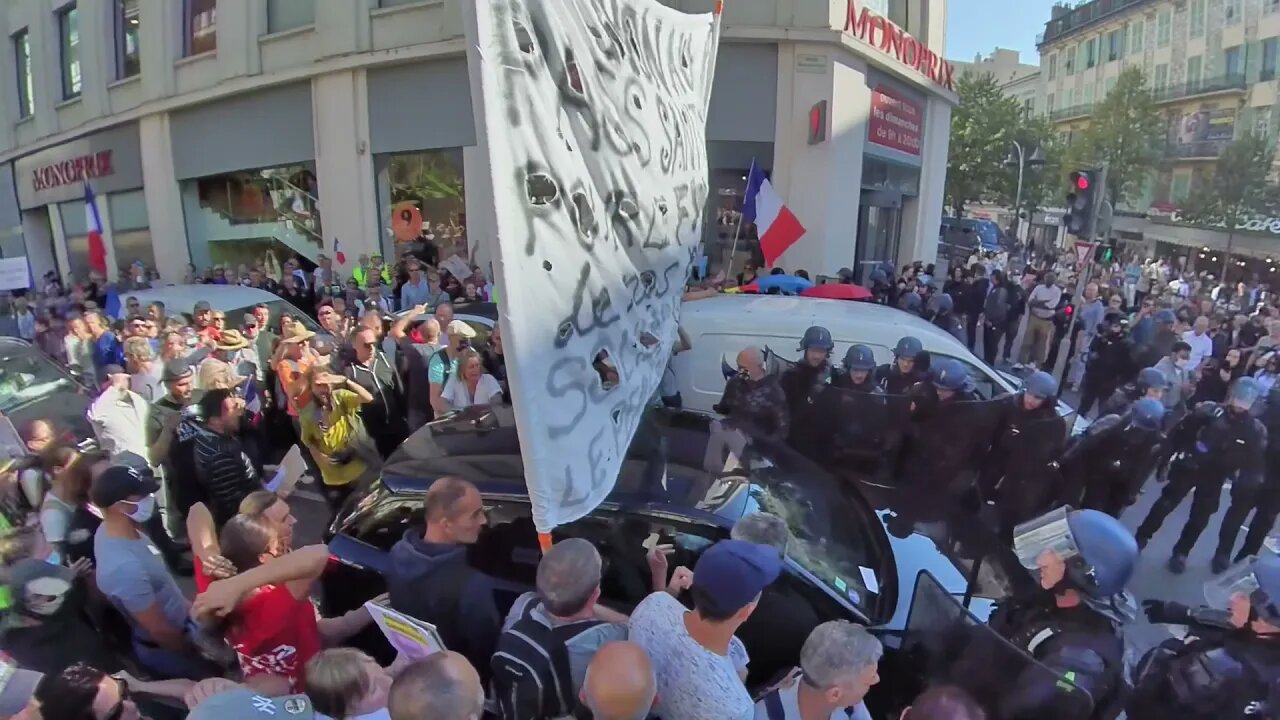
x: 568, y: 575
x: 763, y: 528
x: 837, y: 649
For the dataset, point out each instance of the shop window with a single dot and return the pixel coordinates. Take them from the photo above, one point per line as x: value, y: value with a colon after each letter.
x: 433, y: 181
x: 128, y: 39
x: 289, y: 14
x: 200, y: 26
x: 1195, y: 21
x: 69, y: 37
x: 130, y: 231
x: 730, y: 187
x: 22, y: 58
x: 1164, y: 29
x: 75, y: 229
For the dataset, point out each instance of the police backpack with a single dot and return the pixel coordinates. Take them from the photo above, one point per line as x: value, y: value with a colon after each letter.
x: 531, y: 675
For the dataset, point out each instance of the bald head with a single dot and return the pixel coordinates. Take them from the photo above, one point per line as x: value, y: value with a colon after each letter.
x: 442, y: 687
x: 751, y: 360
x: 620, y: 683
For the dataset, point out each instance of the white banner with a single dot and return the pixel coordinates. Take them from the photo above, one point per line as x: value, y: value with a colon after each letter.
x: 14, y: 273
x: 594, y: 118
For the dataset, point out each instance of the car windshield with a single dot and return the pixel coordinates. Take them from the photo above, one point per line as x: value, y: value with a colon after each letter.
x: 27, y: 376
x: 276, y: 308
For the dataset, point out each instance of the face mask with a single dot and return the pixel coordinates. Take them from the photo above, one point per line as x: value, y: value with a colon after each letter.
x: 1180, y: 364
x: 142, y: 509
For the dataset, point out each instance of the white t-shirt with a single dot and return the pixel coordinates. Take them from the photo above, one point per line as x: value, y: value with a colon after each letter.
x: 458, y: 396
x: 1050, y: 294
x: 1201, y: 347
x: 693, y: 682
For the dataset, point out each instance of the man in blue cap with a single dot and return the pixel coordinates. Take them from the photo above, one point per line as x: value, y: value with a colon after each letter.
x: 1228, y: 665
x: 699, y: 663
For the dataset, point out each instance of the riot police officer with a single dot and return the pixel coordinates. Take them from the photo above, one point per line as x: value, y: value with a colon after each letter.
x: 882, y: 291
x: 1265, y: 497
x: 1213, y: 443
x: 940, y: 447
x: 939, y: 312
x: 1071, y: 623
x: 858, y: 375
x: 1105, y: 469
x: 801, y: 381
x: 1019, y: 470
x: 1110, y: 359
x: 897, y: 378
x: 1151, y: 383
x: 1228, y: 668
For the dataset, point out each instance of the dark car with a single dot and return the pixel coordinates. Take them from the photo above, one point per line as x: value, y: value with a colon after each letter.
x: 843, y: 563
x: 34, y: 387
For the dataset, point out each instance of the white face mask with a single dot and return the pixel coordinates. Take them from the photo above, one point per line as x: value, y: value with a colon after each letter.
x: 142, y: 509
x: 1180, y: 363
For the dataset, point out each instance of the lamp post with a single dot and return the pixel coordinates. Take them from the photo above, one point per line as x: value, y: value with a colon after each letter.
x: 1018, y: 158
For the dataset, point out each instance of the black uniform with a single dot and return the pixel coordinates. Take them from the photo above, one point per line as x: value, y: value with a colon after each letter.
x: 801, y: 383
x: 848, y: 423
x: 1212, y: 444
x: 894, y: 382
x: 1105, y: 469
x: 1110, y: 363
x: 1081, y: 644
x: 1120, y: 401
x: 944, y: 440
x: 1220, y: 675
x: 1019, y: 471
x: 1264, y: 496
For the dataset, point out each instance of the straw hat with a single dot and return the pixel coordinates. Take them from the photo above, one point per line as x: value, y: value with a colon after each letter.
x: 299, y: 334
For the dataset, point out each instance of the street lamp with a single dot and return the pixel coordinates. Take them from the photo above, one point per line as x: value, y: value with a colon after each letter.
x: 1018, y: 158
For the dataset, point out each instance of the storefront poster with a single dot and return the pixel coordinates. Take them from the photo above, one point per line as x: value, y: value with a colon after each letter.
x: 1204, y: 126
x: 14, y: 273
x: 895, y: 120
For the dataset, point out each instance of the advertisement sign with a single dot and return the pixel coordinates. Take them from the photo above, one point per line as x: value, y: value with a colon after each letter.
x: 895, y: 120
x: 14, y: 273
x: 111, y: 160
x: 876, y: 30
x: 1203, y: 126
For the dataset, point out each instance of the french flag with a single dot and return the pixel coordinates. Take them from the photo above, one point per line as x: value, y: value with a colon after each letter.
x: 93, y: 221
x: 252, y: 399
x: 338, y: 255
x: 777, y: 226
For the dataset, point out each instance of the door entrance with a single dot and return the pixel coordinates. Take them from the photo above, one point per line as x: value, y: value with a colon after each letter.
x: 879, y: 229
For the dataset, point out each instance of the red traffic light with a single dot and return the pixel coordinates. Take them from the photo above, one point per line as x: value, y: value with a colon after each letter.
x: 1082, y: 181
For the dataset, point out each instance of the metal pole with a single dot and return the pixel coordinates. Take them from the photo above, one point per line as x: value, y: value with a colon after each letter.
x: 733, y: 254
x: 1226, y: 257
x: 1084, y: 277
x: 1017, y: 199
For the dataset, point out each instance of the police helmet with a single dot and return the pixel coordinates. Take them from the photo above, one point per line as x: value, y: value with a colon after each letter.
x: 817, y: 338
x: 948, y: 374
x: 1147, y: 413
x: 1040, y: 384
x: 1244, y: 392
x: 908, y: 347
x: 913, y: 303
x: 941, y: 303
x: 879, y: 276
x: 1152, y: 378
x: 1100, y: 554
x: 859, y: 357
x: 1166, y: 317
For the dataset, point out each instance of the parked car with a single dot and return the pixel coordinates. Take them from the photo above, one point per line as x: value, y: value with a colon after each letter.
x: 844, y: 561
x: 234, y: 300
x: 33, y: 387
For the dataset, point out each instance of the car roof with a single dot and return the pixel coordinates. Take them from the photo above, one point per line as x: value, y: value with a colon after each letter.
x: 183, y: 298
x: 783, y: 314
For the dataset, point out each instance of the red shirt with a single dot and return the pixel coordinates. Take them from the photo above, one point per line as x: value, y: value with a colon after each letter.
x: 202, y: 580
x: 275, y: 633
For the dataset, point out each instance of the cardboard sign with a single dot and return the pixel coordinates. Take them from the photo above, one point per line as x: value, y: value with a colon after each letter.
x: 291, y: 469
x: 14, y: 273
x: 410, y: 636
x: 457, y: 267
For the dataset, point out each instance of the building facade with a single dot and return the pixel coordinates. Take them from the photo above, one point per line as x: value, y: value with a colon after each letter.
x: 1212, y: 65
x: 218, y: 131
x: 1018, y: 80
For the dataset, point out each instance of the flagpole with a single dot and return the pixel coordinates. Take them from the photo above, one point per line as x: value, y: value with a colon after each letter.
x: 733, y: 254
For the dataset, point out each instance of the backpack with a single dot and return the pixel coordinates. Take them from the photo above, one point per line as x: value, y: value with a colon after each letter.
x: 996, y: 306
x: 531, y: 675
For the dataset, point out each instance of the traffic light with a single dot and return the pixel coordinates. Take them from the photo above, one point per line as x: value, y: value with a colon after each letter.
x: 1107, y: 252
x: 1080, y: 202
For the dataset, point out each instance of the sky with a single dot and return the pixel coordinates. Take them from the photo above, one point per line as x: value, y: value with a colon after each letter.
x: 980, y: 26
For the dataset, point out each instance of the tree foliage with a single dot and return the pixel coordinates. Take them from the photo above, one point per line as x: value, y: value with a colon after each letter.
x: 1040, y: 183
x: 1126, y: 132
x: 1239, y: 188
x: 981, y: 127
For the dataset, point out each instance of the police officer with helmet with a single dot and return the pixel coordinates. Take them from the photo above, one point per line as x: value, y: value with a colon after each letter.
x: 849, y: 420
x: 1105, y: 469
x: 940, y: 447
x: 906, y: 369
x: 859, y: 367
x: 1228, y: 667
x: 1151, y: 383
x: 1072, y: 622
x: 939, y: 312
x: 1264, y: 499
x: 1020, y: 469
x: 1211, y: 444
x: 801, y: 382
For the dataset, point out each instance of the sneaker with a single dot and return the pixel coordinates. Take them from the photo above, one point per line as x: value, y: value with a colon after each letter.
x: 1221, y: 561
x: 1177, y: 564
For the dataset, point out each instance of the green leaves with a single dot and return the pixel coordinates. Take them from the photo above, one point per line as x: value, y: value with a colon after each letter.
x: 1239, y: 188
x: 1125, y: 131
x: 982, y: 126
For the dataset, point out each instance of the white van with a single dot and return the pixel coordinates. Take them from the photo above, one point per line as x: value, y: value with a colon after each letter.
x: 719, y: 327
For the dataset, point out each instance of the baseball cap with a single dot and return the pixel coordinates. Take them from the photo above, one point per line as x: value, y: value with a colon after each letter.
x: 16, y: 687
x: 458, y: 328
x: 120, y: 482
x: 175, y: 370
x: 201, y: 305
x: 732, y: 573
x: 245, y: 704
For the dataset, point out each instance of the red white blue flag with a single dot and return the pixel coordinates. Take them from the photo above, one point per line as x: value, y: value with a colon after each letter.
x: 93, y: 221
x: 776, y: 225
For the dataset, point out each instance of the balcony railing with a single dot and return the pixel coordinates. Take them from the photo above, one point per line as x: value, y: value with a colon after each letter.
x: 1068, y: 113
x: 1085, y: 16
x: 1202, y: 150
x: 1233, y: 82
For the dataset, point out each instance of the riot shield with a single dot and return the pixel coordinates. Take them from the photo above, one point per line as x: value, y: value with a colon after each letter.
x: 948, y: 645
